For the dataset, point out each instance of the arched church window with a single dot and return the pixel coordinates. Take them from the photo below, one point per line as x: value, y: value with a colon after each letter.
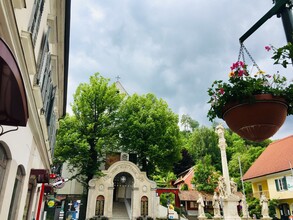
x: 100, y: 205
x: 144, y: 206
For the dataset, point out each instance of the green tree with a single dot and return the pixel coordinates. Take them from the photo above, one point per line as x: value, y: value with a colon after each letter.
x: 83, y: 137
x: 164, y: 179
x: 150, y: 129
x: 204, y: 141
x: 188, y: 123
x: 246, y: 156
x: 246, y: 160
x: 254, y: 207
x: 205, y: 175
x: 235, y: 144
x: 185, y: 163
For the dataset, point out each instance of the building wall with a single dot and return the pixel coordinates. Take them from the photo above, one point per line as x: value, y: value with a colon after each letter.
x: 72, y: 187
x: 189, y: 179
x: 104, y: 186
x: 284, y: 196
x: 30, y: 147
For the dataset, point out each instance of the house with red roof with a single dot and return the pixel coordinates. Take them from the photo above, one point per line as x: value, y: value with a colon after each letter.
x: 185, y: 178
x: 271, y: 174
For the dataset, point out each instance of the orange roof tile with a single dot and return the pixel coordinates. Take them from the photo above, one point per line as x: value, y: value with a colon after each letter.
x: 275, y: 158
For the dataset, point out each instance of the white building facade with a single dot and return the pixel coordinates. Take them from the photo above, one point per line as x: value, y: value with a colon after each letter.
x: 34, y: 42
x: 122, y: 183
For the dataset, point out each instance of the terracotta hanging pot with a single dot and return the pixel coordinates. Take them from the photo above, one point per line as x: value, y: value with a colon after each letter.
x: 259, y: 120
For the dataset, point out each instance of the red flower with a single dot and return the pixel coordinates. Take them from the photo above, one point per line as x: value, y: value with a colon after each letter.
x: 221, y: 91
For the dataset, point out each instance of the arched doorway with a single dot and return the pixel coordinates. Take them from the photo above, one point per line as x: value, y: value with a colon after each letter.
x: 122, y: 185
x: 122, y: 193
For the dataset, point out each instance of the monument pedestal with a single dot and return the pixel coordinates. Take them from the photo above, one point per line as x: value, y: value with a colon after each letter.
x: 230, y: 207
x: 202, y: 218
x: 266, y: 218
x: 218, y: 218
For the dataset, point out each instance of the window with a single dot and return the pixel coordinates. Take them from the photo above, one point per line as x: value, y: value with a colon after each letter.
x: 281, y: 184
x: 193, y: 205
x: 144, y: 206
x: 36, y: 18
x: 28, y: 201
x: 44, y: 78
x: 259, y: 186
x: 44, y: 63
x: 3, y: 163
x: 100, y: 206
x: 16, y: 194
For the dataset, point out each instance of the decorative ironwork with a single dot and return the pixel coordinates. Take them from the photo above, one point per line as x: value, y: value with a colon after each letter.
x: 2, y: 132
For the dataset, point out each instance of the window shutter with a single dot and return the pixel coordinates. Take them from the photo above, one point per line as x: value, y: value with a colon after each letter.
x: 277, y: 185
x: 284, y: 183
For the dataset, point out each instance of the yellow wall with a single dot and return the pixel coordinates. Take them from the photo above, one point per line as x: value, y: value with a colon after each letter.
x: 265, y: 190
x: 269, y: 189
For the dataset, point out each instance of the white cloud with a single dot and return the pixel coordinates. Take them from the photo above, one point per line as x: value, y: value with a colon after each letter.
x: 174, y: 49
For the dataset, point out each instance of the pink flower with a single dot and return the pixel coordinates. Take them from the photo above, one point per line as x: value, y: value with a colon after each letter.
x: 239, y: 63
x: 221, y: 91
x: 240, y: 73
x: 268, y: 48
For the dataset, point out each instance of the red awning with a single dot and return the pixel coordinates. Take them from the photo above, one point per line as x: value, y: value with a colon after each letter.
x: 13, y: 102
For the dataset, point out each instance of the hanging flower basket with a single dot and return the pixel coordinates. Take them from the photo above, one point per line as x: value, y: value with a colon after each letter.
x: 254, y: 105
x: 256, y: 121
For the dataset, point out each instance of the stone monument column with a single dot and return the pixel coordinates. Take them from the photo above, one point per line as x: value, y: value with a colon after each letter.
x: 229, y: 199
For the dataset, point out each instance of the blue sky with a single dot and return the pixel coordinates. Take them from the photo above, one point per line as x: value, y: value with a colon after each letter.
x: 172, y: 48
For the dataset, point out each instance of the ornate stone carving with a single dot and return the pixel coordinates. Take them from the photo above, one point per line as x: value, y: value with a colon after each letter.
x: 101, y: 187
x: 92, y: 183
x: 144, y: 188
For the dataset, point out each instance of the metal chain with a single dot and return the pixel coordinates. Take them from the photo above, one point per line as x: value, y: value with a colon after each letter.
x: 253, y: 61
x: 240, y: 52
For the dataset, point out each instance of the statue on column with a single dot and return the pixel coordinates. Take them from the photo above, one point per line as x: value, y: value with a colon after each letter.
x: 216, y: 206
x: 233, y: 186
x: 222, y: 141
x: 222, y: 187
x: 200, y: 207
x: 229, y: 200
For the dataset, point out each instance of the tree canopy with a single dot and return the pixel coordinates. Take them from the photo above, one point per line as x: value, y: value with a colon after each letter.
x: 188, y: 123
x: 150, y: 129
x: 83, y: 137
x: 202, y: 142
x: 205, y: 175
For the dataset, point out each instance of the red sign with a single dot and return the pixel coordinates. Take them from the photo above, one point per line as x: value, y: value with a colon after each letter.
x: 59, y: 182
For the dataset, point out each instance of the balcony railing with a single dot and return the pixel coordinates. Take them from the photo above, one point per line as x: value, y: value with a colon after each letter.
x: 257, y: 194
